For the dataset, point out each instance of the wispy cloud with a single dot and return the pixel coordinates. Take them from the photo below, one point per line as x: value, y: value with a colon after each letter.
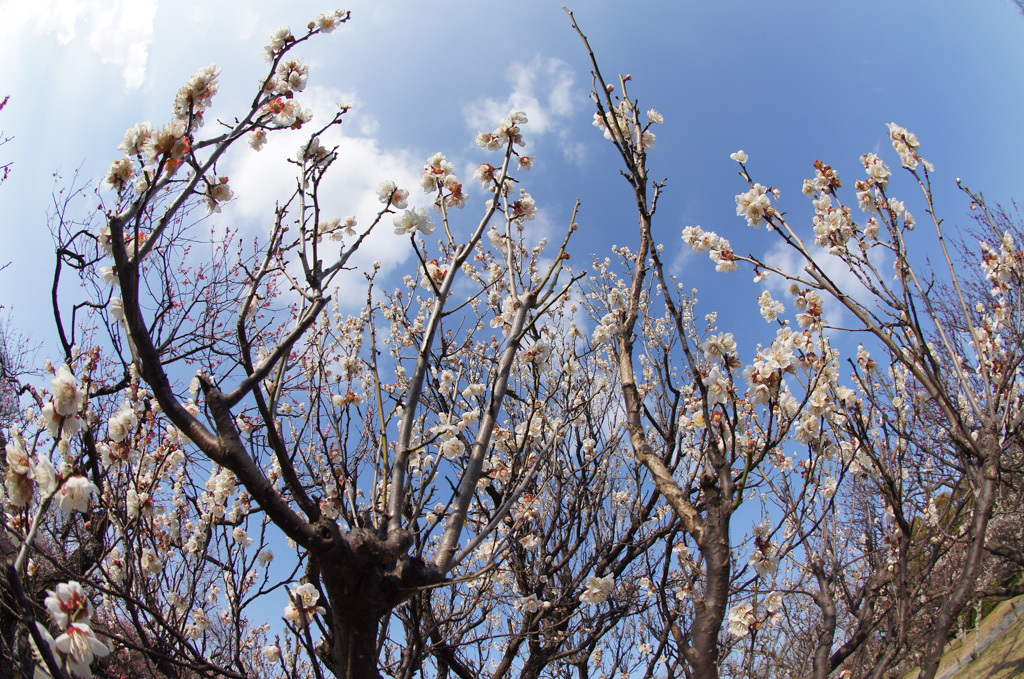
x: 544, y: 89
x: 261, y: 179
x: 119, y: 32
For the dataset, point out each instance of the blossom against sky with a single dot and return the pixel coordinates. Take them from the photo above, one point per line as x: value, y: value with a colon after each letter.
x: 788, y: 82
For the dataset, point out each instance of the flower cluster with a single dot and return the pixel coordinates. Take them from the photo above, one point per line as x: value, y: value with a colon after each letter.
x: 217, y: 192
x: 869, y: 197
x: 906, y: 144
x: 23, y: 473
x: 435, y: 272
x: 289, y: 77
x: 764, y: 375
x: 742, y: 619
x: 61, y: 414
x: 283, y: 112
x: 77, y: 646
x: 598, y: 590
x: 770, y: 308
x: 439, y: 175
x: 825, y: 180
x: 195, y: 96
x: 1001, y: 267
x: 75, y: 494
x: 389, y: 194
x: 337, y: 228
x: 719, y: 249
x: 414, y: 220
x: 833, y: 227
x: 755, y: 206
x: 620, y: 124
x: 122, y: 423
x: 167, y: 147
x: 313, y: 154
x: 508, y: 131
x: 718, y: 347
x: 279, y: 40
x: 538, y: 353
x: 328, y: 23
x: 303, y: 605
x: 524, y: 209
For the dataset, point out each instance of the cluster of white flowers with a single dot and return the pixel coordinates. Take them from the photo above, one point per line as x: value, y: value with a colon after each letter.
x: 170, y: 145
x: 303, y: 605
x: 531, y: 604
x: 439, y: 175
x: 121, y: 173
x: 1001, y: 267
x: 77, y: 645
x: 741, y: 616
x: 313, y: 154
x: 272, y: 652
x: 279, y: 39
x: 755, y: 206
x: 217, y: 192
x: 770, y: 308
x: 75, y: 494
x: 414, y: 220
x: 150, y: 562
x: 283, y: 112
x: 220, y: 487
x: 434, y: 272
x: 336, y: 228
x: 719, y: 249
x: 598, y: 590
x: 718, y: 385
x: 620, y: 124
x: 524, y: 209
x: 717, y: 347
x: 289, y: 77
x: 833, y: 227
x: 508, y: 131
x: 61, y: 414
x: 389, y: 194
x: 764, y: 375
x: 810, y: 305
x: 538, y: 353
x: 907, y: 144
x: 195, y: 97
x: 825, y: 180
x: 878, y: 171
x: 122, y: 424
x: 328, y: 23
x: 23, y: 473
x: 452, y: 447
x: 605, y: 329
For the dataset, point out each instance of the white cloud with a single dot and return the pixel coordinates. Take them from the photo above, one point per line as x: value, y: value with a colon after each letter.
x: 261, y: 179
x: 543, y: 88
x: 118, y: 31
x: 784, y: 258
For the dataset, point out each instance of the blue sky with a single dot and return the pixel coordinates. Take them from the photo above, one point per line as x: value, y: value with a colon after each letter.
x: 788, y: 82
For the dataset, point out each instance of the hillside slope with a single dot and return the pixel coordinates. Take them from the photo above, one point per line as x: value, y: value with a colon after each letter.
x: 994, y: 651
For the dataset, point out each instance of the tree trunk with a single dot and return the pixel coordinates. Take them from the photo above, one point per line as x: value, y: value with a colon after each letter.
x: 702, y: 655
x: 985, y: 497
x: 355, y: 648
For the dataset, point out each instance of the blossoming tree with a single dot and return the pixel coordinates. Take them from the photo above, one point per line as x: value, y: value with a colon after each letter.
x: 932, y: 438
x: 437, y: 463
x: 500, y: 466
